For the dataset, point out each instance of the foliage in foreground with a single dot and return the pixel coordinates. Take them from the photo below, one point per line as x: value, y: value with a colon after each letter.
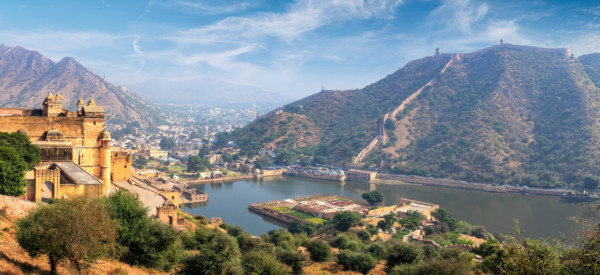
x: 77, y: 230
x: 146, y: 241
x: 17, y: 154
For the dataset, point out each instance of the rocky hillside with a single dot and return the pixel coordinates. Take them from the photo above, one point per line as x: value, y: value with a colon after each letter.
x: 26, y: 77
x: 506, y: 113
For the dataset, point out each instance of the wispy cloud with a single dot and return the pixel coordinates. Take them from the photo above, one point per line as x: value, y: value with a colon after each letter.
x: 201, y: 8
x: 303, y: 16
x: 459, y: 15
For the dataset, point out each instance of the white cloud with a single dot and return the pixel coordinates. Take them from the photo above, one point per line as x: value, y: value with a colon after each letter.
x: 585, y: 43
x: 304, y: 16
x: 200, y: 8
x: 459, y: 15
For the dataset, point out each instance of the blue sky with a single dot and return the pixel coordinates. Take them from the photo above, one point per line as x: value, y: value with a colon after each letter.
x: 287, y: 47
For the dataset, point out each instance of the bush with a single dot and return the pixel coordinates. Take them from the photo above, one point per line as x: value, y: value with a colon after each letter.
x: 372, y: 229
x: 356, y: 261
x: 344, y: 220
x: 259, y: 262
x: 377, y: 250
x: 364, y: 235
x: 402, y: 253
x: 219, y: 254
x: 291, y: 258
x: 345, y: 242
x: 148, y: 242
x: 319, y: 251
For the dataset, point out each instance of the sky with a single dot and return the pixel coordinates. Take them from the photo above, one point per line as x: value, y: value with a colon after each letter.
x: 287, y: 47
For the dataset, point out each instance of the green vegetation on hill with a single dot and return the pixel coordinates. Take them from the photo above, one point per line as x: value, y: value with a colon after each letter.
x: 505, y: 114
x: 17, y: 154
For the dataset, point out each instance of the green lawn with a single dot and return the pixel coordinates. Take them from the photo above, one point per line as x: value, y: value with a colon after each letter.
x: 316, y: 220
x: 299, y: 214
x: 282, y: 209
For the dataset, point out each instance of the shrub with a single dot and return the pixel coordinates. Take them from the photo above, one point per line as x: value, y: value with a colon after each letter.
x: 291, y: 258
x: 319, y: 251
x: 356, y: 261
x: 259, y: 262
x: 148, y: 242
x: 402, y: 253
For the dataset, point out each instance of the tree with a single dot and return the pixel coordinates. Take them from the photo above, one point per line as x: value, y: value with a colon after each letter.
x: 319, y: 251
x: 402, y: 253
x: 356, y: 261
x: 444, y: 216
x: 373, y: 197
x: 390, y: 124
x: 79, y: 230
x: 286, y: 157
x: 344, y: 220
x: 12, y: 172
x: 527, y: 257
x: 388, y: 222
x: 17, y: 155
x: 167, y: 143
x: 25, y: 149
x: 291, y: 258
x: 219, y: 254
x: 196, y: 164
x: 260, y: 262
x: 149, y: 242
x: 140, y: 162
x: 296, y: 227
x: 262, y: 161
x: 591, y: 182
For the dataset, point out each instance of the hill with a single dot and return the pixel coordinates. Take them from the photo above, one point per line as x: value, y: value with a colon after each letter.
x: 26, y: 78
x: 506, y: 113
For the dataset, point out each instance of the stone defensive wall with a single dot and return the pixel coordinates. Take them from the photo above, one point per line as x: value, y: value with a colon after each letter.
x: 315, y: 176
x: 15, y: 207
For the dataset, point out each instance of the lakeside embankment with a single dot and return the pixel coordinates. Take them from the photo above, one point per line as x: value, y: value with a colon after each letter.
x: 263, y: 174
x: 383, y: 178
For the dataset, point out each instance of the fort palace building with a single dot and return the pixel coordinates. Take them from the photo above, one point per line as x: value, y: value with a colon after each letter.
x: 75, y: 149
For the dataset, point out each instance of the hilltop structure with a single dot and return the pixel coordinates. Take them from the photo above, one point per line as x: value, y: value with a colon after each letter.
x: 75, y: 148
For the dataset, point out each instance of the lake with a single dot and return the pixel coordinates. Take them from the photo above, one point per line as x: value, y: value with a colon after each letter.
x: 538, y: 216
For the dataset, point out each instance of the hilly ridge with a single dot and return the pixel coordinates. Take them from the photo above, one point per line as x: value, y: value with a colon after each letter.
x: 26, y: 78
x: 506, y: 113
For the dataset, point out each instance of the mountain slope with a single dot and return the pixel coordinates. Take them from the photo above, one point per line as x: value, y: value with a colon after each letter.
x: 26, y: 78
x: 506, y: 113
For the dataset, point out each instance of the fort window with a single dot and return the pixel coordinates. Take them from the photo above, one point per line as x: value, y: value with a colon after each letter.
x: 56, y: 154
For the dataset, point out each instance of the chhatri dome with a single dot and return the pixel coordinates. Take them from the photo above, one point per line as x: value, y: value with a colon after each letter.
x: 80, y: 102
x: 92, y: 102
x: 50, y: 96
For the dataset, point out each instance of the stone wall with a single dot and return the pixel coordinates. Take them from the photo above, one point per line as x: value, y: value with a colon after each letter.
x: 16, y: 207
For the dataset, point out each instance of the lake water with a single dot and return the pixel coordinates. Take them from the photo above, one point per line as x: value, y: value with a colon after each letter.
x: 538, y: 216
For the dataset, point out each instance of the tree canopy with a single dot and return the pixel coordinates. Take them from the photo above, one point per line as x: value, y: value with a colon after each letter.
x: 78, y: 230
x: 17, y: 154
x: 344, y: 220
x: 373, y: 197
x: 167, y: 143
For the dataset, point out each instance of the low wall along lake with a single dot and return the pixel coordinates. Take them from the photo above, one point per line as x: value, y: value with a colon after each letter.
x: 538, y: 216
